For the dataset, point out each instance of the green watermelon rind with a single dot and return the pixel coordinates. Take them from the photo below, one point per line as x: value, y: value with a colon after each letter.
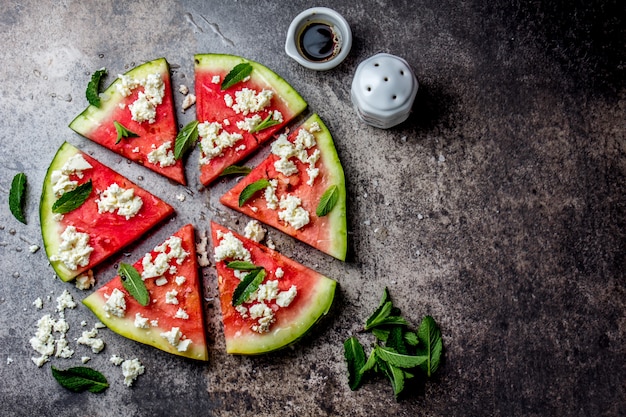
x: 91, y: 118
x: 50, y: 228
x: 152, y: 336
x: 334, y: 170
x: 279, y: 338
x: 226, y: 62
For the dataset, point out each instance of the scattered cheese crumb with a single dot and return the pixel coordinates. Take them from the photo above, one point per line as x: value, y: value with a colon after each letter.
x: 85, y: 280
x: 33, y: 248
x: 116, y: 360
x: 254, y: 231
x: 183, y: 89
x: 189, y: 101
x: 131, y: 369
x: 38, y: 303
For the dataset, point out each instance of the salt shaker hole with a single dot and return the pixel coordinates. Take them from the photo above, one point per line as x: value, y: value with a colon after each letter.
x: 386, y: 79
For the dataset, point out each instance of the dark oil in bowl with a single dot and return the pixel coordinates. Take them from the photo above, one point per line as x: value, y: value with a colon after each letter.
x: 318, y: 42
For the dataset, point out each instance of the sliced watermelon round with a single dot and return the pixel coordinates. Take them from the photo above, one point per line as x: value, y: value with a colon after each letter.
x: 173, y: 320
x: 327, y: 233
x: 107, y: 232
x: 96, y: 123
x: 244, y: 332
x: 210, y: 71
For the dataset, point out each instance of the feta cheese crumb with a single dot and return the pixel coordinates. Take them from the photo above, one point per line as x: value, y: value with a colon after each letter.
x: 65, y: 300
x: 74, y: 250
x: 131, y: 369
x: 38, y: 303
x: 144, y: 107
x: 181, y: 197
x: 189, y: 101
x: 279, y: 272
x: 116, y: 360
x: 141, y: 322
x: 160, y: 281
x: 121, y: 199
x: 285, y: 298
x: 270, y: 195
x: 33, y: 248
x: 183, y: 89
x: 60, y: 179
x: 43, y: 342
x: 231, y: 248
x: 116, y: 303
x: 176, y: 339
x: 9, y: 361
x: 214, y: 140
x: 89, y: 339
x: 85, y: 359
x: 180, y: 280
x: 163, y: 155
x: 292, y: 213
x: 216, y: 79
x: 85, y: 280
x: 181, y: 314
x: 249, y: 101
x: 170, y: 297
x: 254, y: 231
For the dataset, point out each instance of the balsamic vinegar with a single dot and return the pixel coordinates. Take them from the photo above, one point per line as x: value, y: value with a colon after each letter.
x: 318, y: 42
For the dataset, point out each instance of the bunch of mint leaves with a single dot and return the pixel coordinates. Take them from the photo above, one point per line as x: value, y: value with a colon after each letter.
x: 399, y: 353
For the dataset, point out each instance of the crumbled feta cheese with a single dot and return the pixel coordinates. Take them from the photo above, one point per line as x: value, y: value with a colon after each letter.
x: 38, y: 303
x: 189, y: 101
x: 62, y: 349
x: 85, y: 359
x: 43, y: 342
x: 33, y: 248
x: 285, y: 150
x: 135, y: 149
x: 144, y: 107
x: 183, y: 89
x: 121, y: 199
x: 74, y: 250
x: 214, y: 139
x: 228, y: 100
x: 99, y: 325
x: 176, y: 339
x: 180, y: 280
x: 154, y: 268
x: 170, y: 297
x: 116, y: 303
x: 141, y: 322
x: 181, y: 197
x: 314, y: 127
x: 270, y: 195
x: 181, y: 314
x: 131, y: 369
x: 285, y: 298
x: 160, y: 281
x: 249, y: 101
x: 65, y: 300
x: 163, y: 155
x: 116, y: 360
x: 154, y: 323
x: 292, y: 213
x: 85, y: 280
x: 243, y: 310
x: 254, y: 231
x: 249, y: 123
x: 60, y: 179
x: 231, y: 248
x: 264, y: 316
x: 89, y: 339
x: 267, y: 291
x: 9, y: 361
x: 279, y: 272
x: 215, y: 79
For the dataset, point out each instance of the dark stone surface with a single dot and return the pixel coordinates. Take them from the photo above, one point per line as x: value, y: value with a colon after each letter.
x: 498, y: 208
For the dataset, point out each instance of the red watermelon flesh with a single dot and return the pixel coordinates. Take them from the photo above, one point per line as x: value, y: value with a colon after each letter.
x: 108, y: 232
x: 160, y: 317
x: 327, y: 233
x: 210, y: 71
x: 243, y: 333
x: 96, y: 123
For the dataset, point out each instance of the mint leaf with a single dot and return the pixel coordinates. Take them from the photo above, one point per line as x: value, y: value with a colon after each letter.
x: 122, y: 132
x: 71, y: 200
x: 80, y: 378
x: 371, y: 363
x: 385, y: 304
x: 355, y: 358
x: 17, y: 196
x: 237, y: 74
x: 252, y: 189
x: 93, y: 87
x: 269, y: 121
x: 430, y: 345
x: 235, y: 170
x: 398, y: 359
x: 411, y: 339
x: 131, y: 279
x: 381, y: 334
x: 242, y: 266
x: 186, y: 139
x: 328, y: 200
x: 247, y: 286
x: 395, y: 340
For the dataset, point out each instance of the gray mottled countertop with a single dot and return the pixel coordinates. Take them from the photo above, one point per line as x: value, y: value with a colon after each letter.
x: 498, y: 207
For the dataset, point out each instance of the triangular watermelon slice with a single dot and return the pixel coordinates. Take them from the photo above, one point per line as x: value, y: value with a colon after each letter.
x: 84, y: 237
x: 288, y: 301
x: 173, y: 320
x: 154, y: 146
x: 262, y: 94
x: 306, y: 184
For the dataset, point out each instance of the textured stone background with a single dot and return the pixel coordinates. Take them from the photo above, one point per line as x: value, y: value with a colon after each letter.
x: 498, y: 208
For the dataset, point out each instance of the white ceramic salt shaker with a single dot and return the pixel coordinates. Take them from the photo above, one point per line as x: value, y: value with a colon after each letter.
x: 383, y: 90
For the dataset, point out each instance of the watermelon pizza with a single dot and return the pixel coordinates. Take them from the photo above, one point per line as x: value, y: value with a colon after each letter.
x: 110, y: 213
x: 140, y: 102
x: 299, y: 189
x: 268, y: 301
x: 172, y: 320
x: 236, y: 117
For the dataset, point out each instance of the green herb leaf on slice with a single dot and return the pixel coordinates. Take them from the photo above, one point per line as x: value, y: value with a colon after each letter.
x: 131, y: 279
x: 186, y: 139
x: 80, y: 378
x: 247, y: 286
x: 252, y: 189
x: 430, y: 345
x: 71, y: 200
x: 235, y: 170
x: 122, y: 132
x: 242, y: 266
x: 327, y: 201
x: 17, y: 196
x: 93, y: 87
x: 237, y: 74
x: 269, y: 121
x: 355, y: 358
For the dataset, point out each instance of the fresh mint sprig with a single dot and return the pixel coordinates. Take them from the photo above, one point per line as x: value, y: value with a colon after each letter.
x: 80, y: 378
x: 17, y: 196
x: 122, y: 132
x: 236, y: 75
x: 93, y: 87
x: 131, y: 279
